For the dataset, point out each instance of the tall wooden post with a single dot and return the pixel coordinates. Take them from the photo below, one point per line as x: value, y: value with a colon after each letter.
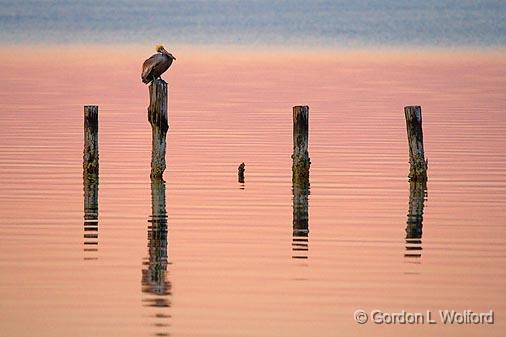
x: 300, y: 156
x: 418, y: 164
x: 300, y: 181
x: 158, y: 118
x: 90, y: 153
x: 414, y: 224
x: 90, y: 179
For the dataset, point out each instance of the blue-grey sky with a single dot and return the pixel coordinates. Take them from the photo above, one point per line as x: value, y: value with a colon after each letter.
x: 438, y: 23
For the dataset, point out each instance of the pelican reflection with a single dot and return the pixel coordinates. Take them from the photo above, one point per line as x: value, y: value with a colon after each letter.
x: 417, y: 196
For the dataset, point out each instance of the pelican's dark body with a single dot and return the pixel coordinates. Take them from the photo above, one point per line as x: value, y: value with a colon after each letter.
x: 156, y: 65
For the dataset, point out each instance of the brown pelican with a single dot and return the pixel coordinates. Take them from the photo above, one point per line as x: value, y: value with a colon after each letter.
x: 156, y: 65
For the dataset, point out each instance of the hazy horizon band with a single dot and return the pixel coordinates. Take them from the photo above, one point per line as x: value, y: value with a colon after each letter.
x: 345, y: 24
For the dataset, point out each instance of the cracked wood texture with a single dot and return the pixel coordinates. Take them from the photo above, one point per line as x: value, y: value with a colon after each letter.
x: 300, y: 181
x: 90, y: 152
x: 158, y: 118
x: 418, y: 164
x: 300, y: 156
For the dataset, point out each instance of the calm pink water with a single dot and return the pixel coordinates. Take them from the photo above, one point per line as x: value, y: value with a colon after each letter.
x: 230, y: 270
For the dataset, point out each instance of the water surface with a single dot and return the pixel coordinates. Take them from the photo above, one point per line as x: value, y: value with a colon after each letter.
x: 203, y: 255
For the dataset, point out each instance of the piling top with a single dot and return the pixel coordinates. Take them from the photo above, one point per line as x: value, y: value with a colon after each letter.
x: 415, y: 111
x: 157, y: 110
x: 301, y: 118
x: 300, y: 129
x: 91, y: 111
x: 300, y: 109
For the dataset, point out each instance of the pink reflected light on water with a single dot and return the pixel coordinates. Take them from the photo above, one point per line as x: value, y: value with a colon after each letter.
x: 230, y: 249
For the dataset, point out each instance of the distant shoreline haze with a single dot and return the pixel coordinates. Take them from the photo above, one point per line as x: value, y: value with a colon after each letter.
x: 327, y: 24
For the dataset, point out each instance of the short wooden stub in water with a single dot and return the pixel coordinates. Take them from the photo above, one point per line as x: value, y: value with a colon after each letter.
x: 418, y: 164
x: 90, y: 152
x: 158, y: 118
x: 240, y: 173
x: 300, y: 156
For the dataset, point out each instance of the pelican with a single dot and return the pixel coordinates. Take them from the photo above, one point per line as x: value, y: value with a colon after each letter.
x: 156, y: 65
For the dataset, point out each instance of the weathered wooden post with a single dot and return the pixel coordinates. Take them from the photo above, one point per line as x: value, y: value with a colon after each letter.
x: 300, y: 156
x: 90, y: 153
x: 240, y: 173
x: 90, y: 178
x: 300, y: 181
x: 418, y: 164
x: 158, y: 118
x: 414, y: 224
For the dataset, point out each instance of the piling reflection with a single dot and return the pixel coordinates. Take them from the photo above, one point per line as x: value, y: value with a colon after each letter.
x: 90, y: 185
x: 300, y: 243
x: 417, y: 196
x: 155, y: 283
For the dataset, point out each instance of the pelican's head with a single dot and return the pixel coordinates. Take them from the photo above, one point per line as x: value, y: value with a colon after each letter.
x: 161, y: 49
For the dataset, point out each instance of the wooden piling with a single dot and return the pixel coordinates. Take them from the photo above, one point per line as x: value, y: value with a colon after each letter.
x: 414, y: 223
x: 90, y: 181
x: 300, y: 156
x: 300, y: 181
x: 158, y: 118
x: 418, y: 164
x: 90, y: 152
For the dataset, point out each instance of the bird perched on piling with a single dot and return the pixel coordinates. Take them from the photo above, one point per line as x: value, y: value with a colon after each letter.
x: 156, y: 65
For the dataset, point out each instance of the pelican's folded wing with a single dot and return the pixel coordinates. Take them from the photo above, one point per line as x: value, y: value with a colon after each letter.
x: 148, y: 66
